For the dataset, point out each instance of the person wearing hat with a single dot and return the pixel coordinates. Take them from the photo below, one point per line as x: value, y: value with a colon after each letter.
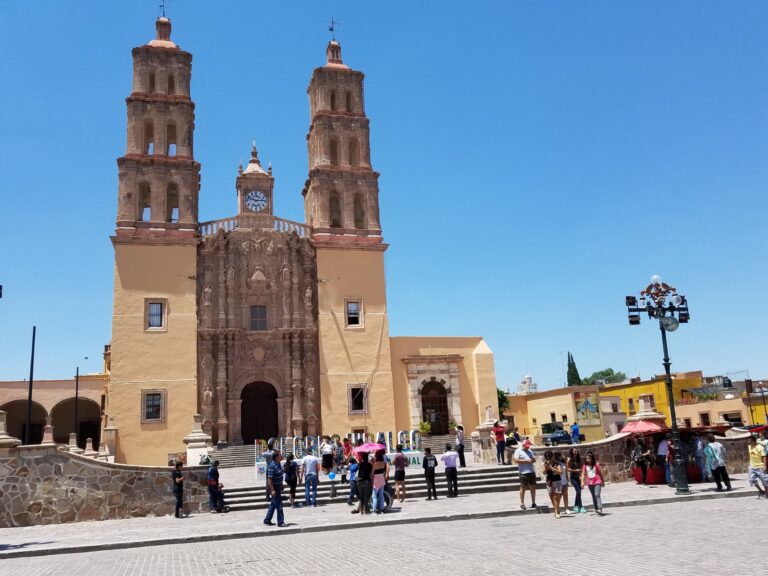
x: 213, y: 487
x: 524, y: 459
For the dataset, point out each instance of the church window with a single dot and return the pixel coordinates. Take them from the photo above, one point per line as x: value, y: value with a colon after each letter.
x: 155, y: 315
x: 333, y: 100
x: 354, y: 152
x: 171, y: 84
x: 359, y: 211
x: 334, y: 152
x: 172, y: 204
x: 170, y: 138
x: 334, y: 210
x: 145, y: 195
x: 349, y: 101
x: 356, y: 399
x: 149, y: 138
x: 152, y: 83
x: 152, y: 406
x: 354, y: 313
x: 258, y: 317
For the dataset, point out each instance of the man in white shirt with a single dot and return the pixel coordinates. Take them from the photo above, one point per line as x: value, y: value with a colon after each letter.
x: 661, y: 459
x: 309, y: 468
x: 450, y: 459
x: 716, y: 454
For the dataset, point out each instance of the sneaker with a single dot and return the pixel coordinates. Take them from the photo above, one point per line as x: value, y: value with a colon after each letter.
x: 355, y: 512
x: 567, y: 512
x: 557, y: 515
x: 583, y: 510
x: 268, y: 523
x: 281, y: 524
x: 534, y: 506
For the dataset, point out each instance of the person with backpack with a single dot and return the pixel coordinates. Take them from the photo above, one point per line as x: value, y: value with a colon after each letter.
x: 400, y: 462
x: 178, y: 489
x: 213, y: 487
x: 429, y: 463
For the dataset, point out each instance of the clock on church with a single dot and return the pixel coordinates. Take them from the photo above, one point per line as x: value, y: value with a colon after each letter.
x: 256, y: 201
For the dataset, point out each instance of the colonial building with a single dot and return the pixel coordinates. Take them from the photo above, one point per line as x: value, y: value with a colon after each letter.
x: 264, y: 326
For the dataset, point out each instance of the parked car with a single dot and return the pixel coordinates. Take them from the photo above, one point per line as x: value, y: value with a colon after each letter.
x: 559, y: 437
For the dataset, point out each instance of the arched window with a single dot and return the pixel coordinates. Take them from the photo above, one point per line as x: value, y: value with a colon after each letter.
x: 172, y: 204
x: 170, y: 139
x: 151, y: 82
x: 171, y: 84
x: 145, y: 196
x: 333, y: 100
x: 354, y: 152
x: 359, y: 211
x: 334, y: 152
x: 349, y: 101
x: 149, y: 138
x: 334, y: 210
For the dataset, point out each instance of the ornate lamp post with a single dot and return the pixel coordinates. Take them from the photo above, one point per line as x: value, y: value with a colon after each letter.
x: 662, y: 302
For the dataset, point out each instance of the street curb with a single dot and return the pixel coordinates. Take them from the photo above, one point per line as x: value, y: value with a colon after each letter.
x: 351, y: 526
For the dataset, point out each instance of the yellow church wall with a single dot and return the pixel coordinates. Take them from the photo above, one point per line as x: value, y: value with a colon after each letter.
x: 353, y: 355
x: 656, y: 387
x: 157, y: 359
x: 477, y: 381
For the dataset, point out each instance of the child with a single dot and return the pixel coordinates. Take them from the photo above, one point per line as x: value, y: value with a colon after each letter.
x: 352, y: 480
x: 553, y: 473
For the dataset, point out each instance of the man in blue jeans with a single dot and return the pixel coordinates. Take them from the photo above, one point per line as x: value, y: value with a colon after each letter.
x: 309, y: 467
x: 275, y: 485
x: 575, y: 432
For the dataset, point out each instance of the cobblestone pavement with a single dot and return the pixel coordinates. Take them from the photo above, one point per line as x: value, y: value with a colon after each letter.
x: 57, y: 538
x: 695, y: 537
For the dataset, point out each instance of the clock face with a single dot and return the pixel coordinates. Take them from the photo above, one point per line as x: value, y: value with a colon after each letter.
x: 256, y: 201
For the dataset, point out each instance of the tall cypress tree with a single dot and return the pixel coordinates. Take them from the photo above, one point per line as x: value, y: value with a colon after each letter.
x: 573, y: 373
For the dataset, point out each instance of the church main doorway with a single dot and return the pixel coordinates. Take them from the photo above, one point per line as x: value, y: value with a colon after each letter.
x: 434, y: 407
x: 258, y: 412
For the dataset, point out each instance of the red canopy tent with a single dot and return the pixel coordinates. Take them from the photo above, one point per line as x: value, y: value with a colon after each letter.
x: 643, y: 427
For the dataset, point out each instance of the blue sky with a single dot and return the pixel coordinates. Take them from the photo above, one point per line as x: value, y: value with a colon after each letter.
x: 539, y: 161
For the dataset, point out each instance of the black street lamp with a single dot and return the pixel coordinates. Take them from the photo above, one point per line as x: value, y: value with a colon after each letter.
x: 662, y: 302
x: 77, y: 400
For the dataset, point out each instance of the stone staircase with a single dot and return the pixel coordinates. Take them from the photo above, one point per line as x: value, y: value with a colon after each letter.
x: 235, y: 456
x: 473, y: 480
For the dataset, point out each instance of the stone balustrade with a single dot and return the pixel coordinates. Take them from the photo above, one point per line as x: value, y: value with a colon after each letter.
x: 212, y: 227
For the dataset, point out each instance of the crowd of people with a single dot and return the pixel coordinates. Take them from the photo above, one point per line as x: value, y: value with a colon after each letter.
x: 706, y: 452
x: 366, y: 468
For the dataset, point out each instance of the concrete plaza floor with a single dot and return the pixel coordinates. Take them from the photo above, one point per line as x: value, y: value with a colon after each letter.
x: 154, y: 531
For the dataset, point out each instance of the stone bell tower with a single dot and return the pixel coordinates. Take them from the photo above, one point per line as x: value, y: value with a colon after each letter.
x: 153, y: 382
x: 341, y: 203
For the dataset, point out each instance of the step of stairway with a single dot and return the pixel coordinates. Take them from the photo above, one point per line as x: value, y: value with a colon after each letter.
x: 260, y: 502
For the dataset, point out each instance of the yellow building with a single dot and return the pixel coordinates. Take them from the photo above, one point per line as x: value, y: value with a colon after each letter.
x: 541, y: 412
x: 629, y: 393
x: 264, y: 326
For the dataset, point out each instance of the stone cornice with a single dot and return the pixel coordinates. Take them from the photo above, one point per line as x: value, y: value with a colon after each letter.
x: 433, y: 359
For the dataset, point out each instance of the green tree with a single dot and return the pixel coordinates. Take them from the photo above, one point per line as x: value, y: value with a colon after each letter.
x: 607, y: 376
x: 503, y: 402
x: 573, y: 372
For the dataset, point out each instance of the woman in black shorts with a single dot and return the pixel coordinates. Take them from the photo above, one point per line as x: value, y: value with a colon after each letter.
x: 400, y: 462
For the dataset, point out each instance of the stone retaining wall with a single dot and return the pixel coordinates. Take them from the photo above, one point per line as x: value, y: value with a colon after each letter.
x: 44, y: 485
x: 614, y: 455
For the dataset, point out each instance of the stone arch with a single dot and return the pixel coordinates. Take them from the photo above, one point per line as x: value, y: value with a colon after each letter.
x: 236, y: 403
x: 434, y: 405
x: 16, y: 420
x: 89, y: 421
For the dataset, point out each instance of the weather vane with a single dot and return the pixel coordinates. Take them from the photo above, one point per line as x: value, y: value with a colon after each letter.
x: 332, y: 28
x: 162, y: 8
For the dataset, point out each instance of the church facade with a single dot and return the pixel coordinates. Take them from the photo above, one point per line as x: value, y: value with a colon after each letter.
x: 264, y: 326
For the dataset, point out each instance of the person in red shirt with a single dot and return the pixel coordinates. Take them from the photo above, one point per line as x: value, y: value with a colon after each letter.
x: 347, y: 448
x: 498, y: 432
